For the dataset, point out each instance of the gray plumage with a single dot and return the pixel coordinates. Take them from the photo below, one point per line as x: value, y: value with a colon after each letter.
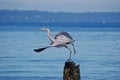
x: 62, y: 39
x: 65, y: 34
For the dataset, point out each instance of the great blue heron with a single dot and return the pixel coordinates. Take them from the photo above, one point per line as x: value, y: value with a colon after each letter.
x: 62, y: 39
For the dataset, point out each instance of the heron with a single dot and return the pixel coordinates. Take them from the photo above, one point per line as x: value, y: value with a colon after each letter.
x: 62, y: 39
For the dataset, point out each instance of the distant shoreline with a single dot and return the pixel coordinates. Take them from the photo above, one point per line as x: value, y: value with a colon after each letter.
x: 44, y: 18
x: 83, y: 25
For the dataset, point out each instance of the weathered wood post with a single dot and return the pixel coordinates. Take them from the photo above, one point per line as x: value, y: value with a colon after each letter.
x: 71, y: 71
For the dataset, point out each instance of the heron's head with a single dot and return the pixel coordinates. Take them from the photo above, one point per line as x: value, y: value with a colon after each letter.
x: 44, y: 29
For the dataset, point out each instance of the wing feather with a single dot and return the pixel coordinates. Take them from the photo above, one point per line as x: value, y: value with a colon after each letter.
x: 63, y: 37
x: 65, y: 34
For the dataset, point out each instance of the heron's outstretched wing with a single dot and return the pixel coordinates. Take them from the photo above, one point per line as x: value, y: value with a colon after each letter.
x: 65, y: 34
x: 41, y: 49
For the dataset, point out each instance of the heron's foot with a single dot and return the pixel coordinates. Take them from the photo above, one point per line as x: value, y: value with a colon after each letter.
x: 68, y: 60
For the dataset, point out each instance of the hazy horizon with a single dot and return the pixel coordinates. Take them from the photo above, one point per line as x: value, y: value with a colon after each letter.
x: 75, y: 6
x: 62, y: 11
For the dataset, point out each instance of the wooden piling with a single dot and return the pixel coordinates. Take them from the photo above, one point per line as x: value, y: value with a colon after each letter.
x: 71, y: 71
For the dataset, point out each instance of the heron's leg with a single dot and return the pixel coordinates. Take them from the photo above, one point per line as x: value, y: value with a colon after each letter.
x: 74, y: 48
x: 70, y: 52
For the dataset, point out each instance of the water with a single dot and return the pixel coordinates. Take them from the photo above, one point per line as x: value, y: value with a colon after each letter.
x: 98, y: 53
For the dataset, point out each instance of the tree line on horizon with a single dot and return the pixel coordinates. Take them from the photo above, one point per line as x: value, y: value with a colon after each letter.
x: 19, y: 16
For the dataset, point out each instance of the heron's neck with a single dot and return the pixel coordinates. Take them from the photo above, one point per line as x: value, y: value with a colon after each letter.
x: 49, y: 36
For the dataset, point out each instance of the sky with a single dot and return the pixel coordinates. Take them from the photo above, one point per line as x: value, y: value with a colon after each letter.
x: 62, y: 5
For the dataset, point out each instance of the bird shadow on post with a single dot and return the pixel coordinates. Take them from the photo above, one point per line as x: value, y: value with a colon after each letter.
x: 71, y: 71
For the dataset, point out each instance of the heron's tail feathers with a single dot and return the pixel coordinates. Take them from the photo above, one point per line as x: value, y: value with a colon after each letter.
x: 41, y: 49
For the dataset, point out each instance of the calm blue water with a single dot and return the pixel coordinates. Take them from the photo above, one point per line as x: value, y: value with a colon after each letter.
x: 98, y: 53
